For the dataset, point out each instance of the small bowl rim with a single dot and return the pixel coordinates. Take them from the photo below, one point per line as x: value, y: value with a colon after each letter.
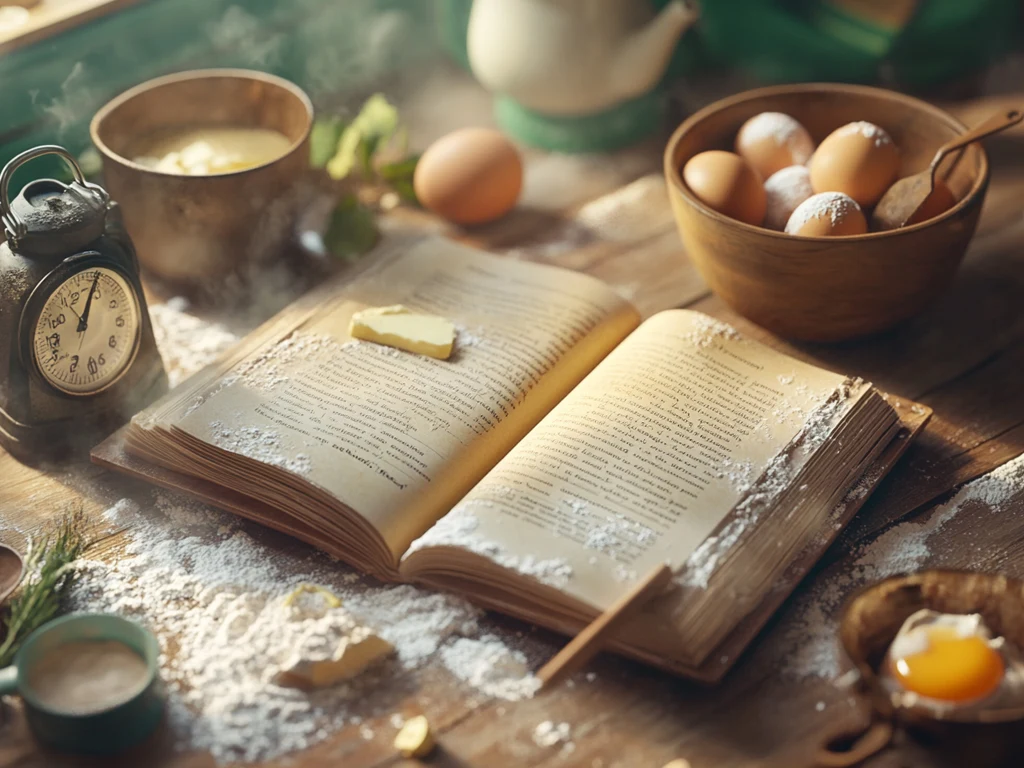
x: 105, y: 111
x: 674, y: 175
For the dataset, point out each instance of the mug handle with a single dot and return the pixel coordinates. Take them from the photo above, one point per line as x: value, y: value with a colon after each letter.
x: 8, y: 680
x: 867, y: 742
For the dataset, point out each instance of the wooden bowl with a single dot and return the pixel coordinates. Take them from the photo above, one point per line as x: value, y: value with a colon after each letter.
x: 870, y: 622
x: 189, y: 229
x: 827, y: 288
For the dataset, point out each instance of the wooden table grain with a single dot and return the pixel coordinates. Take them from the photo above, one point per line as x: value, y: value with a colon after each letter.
x: 609, y: 216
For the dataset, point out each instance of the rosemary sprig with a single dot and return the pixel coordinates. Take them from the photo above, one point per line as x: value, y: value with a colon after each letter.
x: 51, y: 573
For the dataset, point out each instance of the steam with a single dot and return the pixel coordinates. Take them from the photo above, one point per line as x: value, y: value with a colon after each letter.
x: 76, y: 103
x: 241, y: 32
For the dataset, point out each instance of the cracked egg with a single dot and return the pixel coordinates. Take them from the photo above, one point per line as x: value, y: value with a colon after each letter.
x: 939, y: 654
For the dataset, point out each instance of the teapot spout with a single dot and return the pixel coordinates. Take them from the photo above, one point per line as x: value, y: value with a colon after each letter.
x: 644, y: 55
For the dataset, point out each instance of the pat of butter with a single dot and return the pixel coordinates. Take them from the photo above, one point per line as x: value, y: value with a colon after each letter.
x: 356, y: 652
x: 400, y: 327
x: 415, y: 739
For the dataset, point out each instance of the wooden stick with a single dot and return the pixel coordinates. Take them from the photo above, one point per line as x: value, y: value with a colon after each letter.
x: 587, y: 643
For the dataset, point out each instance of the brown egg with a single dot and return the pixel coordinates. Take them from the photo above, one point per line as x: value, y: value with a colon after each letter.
x: 939, y: 200
x: 858, y: 159
x: 785, y: 190
x: 470, y: 176
x: 828, y: 214
x: 772, y: 141
x: 728, y: 184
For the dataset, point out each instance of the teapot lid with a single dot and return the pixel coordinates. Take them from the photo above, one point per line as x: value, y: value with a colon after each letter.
x: 50, y: 218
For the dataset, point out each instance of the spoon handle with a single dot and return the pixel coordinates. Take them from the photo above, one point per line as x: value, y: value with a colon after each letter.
x: 998, y: 122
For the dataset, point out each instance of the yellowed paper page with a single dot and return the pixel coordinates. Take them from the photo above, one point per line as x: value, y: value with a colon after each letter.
x: 400, y: 437
x: 641, y: 462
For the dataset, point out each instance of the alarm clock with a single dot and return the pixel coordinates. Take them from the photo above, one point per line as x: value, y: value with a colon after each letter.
x: 77, y: 354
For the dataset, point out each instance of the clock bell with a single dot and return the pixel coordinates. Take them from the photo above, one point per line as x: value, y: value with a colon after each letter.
x: 77, y: 354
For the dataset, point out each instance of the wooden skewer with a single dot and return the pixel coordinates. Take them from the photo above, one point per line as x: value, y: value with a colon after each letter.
x: 587, y: 643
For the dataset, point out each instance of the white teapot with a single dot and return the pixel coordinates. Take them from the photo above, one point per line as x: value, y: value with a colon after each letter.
x: 573, y: 57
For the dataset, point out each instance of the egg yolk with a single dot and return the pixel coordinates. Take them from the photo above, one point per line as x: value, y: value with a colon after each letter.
x: 952, y: 668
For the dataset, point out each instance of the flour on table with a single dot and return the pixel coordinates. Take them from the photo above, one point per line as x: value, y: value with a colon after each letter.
x: 215, y: 597
x: 186, y: 343
x: 809, y: 628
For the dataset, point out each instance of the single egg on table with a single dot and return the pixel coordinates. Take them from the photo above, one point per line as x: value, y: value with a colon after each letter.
x: 470, y: 176
x: 828, y: 214
x: 772, y: 141
x: 785, y: 190
x: 859, y: 159
x: 728, y: 184
x: 945, y: 661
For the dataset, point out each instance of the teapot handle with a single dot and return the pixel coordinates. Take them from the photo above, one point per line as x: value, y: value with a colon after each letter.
x: 14, y: 227
x: 867, y: 742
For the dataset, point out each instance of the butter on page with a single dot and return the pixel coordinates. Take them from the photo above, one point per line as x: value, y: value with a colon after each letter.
x: 398, y: 326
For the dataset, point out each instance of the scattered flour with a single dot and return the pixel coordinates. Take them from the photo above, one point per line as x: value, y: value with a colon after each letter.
x: 491, y: 666
x: 263, y: 445
x: 777, y: 476
x: 549, y: 734
x: 785, y: 190
x: 186, y: 342
x: 214, y: 595
x: 708, y: 329
x: 460, y: 528
x: 782, y: 129
x: 809, y: 629
x: 868, y: 131
x: 265, y: 372
x: 835, y: 205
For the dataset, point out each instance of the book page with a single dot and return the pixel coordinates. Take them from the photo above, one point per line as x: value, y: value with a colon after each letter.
x: 641, y: 462
x: 400, y: 437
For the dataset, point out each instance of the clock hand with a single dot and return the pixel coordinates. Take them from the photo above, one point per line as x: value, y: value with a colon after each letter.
x: 83, y: 321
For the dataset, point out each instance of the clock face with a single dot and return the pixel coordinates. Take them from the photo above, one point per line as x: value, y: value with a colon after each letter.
x: 87, y: 332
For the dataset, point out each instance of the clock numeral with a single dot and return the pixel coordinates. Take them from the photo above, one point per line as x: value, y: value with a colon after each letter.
x: 119, y: 322
x: 112, y: 343
x: 54, y: 355
x: 91, y: 365
x: 54, y: 340
x: 113, y: 304
x: 101, y: 360
x: 58, y: 320
x: 74, y: 297
x: 74, y: 364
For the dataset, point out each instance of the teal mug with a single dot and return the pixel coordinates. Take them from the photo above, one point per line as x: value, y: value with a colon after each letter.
x: 107, y: 731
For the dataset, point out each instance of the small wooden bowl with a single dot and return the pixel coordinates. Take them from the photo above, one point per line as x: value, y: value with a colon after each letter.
x: 189, y: 229
x: 827, y: 288
x: 869, y: 624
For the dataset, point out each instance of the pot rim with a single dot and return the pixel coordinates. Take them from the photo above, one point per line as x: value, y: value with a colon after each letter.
x: 96, y: 125
x: 673, y: 174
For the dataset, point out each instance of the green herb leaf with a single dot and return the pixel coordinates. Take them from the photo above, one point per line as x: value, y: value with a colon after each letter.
x: 360, y: 141
x: 400, y: 175
x: 51, y: 574
x: 323, y: 140
x: 352, y: 230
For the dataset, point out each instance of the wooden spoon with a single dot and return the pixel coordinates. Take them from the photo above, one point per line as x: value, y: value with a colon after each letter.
x: 11, y: 569
x: 921, y: 196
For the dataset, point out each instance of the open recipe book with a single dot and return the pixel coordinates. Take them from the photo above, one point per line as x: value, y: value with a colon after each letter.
x: 563, y: 451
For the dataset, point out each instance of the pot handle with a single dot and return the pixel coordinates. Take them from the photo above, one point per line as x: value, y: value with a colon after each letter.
x: 865, y: 743
x: 8, y: 680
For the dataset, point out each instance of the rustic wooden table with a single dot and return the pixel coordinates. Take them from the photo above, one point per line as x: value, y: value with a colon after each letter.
x: 609, y: 216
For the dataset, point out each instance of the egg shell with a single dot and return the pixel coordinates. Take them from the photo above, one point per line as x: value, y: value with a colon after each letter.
x: 728, y: 184
x: 772, y: 141
x: 785, y: 190
x: 858, y: 159
x: 828, y: 214
x: 470, y: 176
x: 940, y: 200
